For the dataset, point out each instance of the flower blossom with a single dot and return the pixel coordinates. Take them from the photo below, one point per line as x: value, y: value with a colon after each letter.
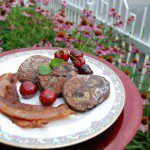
x: 3, y: 15
x: 45, y: 2
x: 112, y: 12
x: 64, y: 3
x: 147, y: 65
x: 27, y: 14
x: 38, y: 9
x: 130, y: 20
x: 61, y: 36
x: 144, y: 97
x: 134, y: 50
x: 46, y: 13
x: 12, y: 3
x: 133, y: 62
x: 5, y: 7
x: 144, y: 124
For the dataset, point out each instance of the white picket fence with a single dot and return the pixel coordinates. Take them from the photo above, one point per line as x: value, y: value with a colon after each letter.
x: 138, y: 31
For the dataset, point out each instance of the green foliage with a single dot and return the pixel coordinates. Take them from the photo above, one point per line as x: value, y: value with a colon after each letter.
x: 140, y: 142
x: 26, y: 32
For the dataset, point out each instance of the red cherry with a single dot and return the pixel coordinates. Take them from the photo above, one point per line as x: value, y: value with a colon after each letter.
x: 58, y: 54
x: 65, y: 56
x: 76, y: 54
x: 62, y: 54
x: 28, y: 89
x: 47, y: 97
x: 79, y: 62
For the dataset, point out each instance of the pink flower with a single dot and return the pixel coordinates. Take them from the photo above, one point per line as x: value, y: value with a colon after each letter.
x: 68, y: 25
x: 37, y: 45
x: 48, y: 44
x: 12, y: 3
x: 27, y: 14
x: 3, y: 15
x: 61, y: 37
x: 5, y: 7
x: 133, y: 62
x: 98, y: 34
x: 36, y: 20
x: 147, y: 65
x: 112, y: 12
x: 38, y: 9
x: 100, y: 46
x: 98, y: 51
x: 46, y: 13
x: 30, y: 3
x: 122, y: 62
x: 122, y: 53
x: 130, y: 20
x: 105, y: 52
x: 64, y: 3
x: 144, y: 124
x: 70, y: 45
x: 134, y: 50
x: 59, y: 19
x: 56, y: 28
x: 114, y: 50
x: 1, y: 42
x: 21, y: 2
x: 86, y: 34
x: 119, y: 23
x: 12, y: 27
x: 70, y: 38
x: 87, y: 13
x: 45, y: 2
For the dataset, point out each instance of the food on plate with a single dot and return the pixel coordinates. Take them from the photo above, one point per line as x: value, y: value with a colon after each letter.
x: 28, y: 69
x: 58, y: 76
x: 74, y: 54
x: 30, y: 124
x: 63, y: 54
x: 47, y: 97
x: 79, y: 62
x: 84, y: 92
x: 8, y: 86
x: 22, y: 111
x: 16, y: 110
x: 28, y: 89
x: 85, y: 69
x: 77, y: 58
x: 52, y: 77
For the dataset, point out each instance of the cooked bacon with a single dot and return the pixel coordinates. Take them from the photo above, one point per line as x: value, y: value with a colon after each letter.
x: 30, y: 124
x: 8, y: 87
x: 30, y: 112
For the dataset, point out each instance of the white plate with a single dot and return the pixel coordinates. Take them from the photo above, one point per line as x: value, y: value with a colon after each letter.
x: 69, y: 131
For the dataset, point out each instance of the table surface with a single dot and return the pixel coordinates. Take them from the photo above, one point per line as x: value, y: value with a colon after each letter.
x: 126, y: 126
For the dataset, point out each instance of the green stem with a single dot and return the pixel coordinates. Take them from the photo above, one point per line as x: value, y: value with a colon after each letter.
x: 85, y: 44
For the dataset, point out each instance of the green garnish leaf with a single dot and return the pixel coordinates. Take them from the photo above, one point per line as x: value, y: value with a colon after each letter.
x: 44, y: 70
x: 52, y: 79
x: 56, y: 63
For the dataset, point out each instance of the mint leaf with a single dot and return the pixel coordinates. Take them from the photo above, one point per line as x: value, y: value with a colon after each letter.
x: 52, y: 79
x: 44, y: 70
x: 56, y: 63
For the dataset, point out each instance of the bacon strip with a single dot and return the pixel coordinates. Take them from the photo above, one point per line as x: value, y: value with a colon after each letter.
x: 28, y: 112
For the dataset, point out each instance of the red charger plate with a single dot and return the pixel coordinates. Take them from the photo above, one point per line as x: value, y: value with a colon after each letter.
x: 126, y: 126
